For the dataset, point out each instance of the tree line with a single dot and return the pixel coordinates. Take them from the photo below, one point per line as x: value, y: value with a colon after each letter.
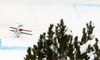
x: 58, y: 45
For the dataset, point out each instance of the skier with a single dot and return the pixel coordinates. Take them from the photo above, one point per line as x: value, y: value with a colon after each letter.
x: 18, y: 30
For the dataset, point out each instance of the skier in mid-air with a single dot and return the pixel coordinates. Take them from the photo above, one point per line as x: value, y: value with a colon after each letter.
x: 19, y: 30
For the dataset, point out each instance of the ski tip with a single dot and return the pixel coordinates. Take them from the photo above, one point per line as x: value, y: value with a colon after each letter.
x: 30, y: 34
x: 30, y: 31
x: 11, y: 30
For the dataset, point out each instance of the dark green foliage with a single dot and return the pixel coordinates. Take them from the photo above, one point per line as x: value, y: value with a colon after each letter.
x: 65, y: 45
x: 90, y: 49
x: 77, y: 47
x: 97, y: 52
x: 61, y: 36
x: 84, y: 56
x: 70, y: 48
x: 30, y: 56
x: 87, y: 34
x: 49, y: 41
x: 40, y: 53
x: 84, y: 37
x: 90, y: 28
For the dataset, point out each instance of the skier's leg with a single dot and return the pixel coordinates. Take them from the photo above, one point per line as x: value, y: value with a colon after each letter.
x: 17, y: 35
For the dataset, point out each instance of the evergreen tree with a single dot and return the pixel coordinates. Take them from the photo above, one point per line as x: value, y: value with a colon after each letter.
x: 62, y: 38
x: 58, y: 45
x: 90, y: 28
x: 30, y: 56
x: 40, y: 46
x: 97, y: 50
x: 77, y: 47
x: 70, y: 48
x: 87, y: 35
x: 84, y: 37
x: 48, y: 44
x: 37, y: 51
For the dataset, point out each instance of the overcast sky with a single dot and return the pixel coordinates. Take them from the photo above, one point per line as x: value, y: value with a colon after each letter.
x: 37, y: 15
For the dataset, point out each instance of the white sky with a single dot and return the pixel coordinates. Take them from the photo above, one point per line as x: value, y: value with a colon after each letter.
x: 37, y: 16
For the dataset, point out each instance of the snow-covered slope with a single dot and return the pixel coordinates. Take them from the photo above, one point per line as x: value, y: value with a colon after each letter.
x: 36, y: 15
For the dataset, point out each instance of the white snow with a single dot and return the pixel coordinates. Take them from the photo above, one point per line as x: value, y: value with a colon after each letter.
x: 91, y: 55
x: 85, y: 46
x: 12, y: 54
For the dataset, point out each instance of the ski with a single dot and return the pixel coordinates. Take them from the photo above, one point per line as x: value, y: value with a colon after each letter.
x: 26, y: 33
x: 21, y: 29
x: 12, y: 30
x: 26, y: 30
x: 13, y: 27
